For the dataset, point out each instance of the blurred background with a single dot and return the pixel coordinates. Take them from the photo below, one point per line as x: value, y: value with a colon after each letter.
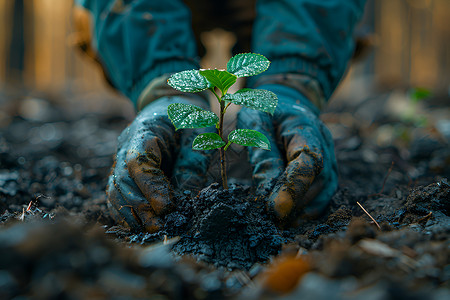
x: 59, y: 122
x: 409, y: 40
x: 38, y: 59
x: 406, y: 47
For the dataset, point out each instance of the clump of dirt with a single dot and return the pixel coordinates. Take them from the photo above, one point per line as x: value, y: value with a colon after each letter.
x: 228, y: 228
x: 435, y: 197
x: 67, y: 260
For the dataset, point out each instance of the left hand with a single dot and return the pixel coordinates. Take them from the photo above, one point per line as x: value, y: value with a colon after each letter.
x: 151, y: 153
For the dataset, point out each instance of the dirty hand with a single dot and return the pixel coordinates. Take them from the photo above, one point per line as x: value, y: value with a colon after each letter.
x: 149, y: 153
x: 300, y: 171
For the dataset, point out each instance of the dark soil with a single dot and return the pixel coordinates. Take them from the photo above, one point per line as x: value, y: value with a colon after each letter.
x: 225, y: 228
x: 57, y: 240
x: 229, y: 228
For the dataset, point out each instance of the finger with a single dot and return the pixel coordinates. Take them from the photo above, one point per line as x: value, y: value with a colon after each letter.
x: 138, y: 189
x: 267, y: 165
x: 127, y: 202
x: 304, y: 154
x: 148, y: 163
x: 288, y: 196
x: 326, y: 183
x: 191, y: 167
x: 118, y: 206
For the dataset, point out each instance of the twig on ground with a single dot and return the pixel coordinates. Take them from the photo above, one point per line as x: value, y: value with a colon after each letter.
x: 385, y: 178
x: 22, y: 217
x: 29, y: 206
x: 384, y: 181
x: 376, y: 223
x: 423, y: 219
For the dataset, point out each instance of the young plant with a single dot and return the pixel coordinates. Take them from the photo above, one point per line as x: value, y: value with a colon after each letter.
x: 218, y: 82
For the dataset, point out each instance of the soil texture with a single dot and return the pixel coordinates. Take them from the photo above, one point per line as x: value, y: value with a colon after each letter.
x: 57, y: 240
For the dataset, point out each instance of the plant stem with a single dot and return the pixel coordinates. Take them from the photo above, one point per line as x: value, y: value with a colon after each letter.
x: 223, y: 165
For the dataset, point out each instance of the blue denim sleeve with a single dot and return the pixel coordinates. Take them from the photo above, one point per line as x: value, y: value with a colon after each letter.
x: 307, y: 37
x: 140, y: 40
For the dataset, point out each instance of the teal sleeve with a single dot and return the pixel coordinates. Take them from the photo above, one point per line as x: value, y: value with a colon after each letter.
x: 140, y: 40
x: 308, y: 37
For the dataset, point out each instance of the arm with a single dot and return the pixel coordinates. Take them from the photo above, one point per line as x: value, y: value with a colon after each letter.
x: 310, y: 44
x: 139, y: 43
x: 314, y: 38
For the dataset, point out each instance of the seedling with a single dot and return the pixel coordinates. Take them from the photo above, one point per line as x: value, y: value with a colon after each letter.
x: 412, y: 113
x: 218, y: 82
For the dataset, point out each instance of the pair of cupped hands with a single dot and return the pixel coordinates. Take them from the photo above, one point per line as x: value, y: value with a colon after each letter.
x: 154, y: 160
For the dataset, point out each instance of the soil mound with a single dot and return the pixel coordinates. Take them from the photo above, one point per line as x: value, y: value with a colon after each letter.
x: 227, y: 228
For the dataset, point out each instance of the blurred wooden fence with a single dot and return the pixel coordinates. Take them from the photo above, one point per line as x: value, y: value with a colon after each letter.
x: 50, y: 62
x: 5, y: 35
x: 412, y: 45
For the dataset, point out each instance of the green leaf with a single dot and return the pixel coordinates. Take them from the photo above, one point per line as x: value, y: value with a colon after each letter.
x: 189, y: 81
x: 220, y: 79
x: 190, y: 116
x: 248, y: 137
x: 261, y: 100
x: 419, y: 94
x: 207, y: 141
x: 247, y: 64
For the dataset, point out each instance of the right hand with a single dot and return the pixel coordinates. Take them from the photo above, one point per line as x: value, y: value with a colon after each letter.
x: 149, y: 153
x: 300, y: 172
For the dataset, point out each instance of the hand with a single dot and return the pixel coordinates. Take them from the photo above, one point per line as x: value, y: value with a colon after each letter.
x: 300, y: 172
x: 149, y: 153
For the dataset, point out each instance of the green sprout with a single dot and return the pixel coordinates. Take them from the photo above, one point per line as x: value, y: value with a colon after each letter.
x: 412, y: 113
x: 218, y: 82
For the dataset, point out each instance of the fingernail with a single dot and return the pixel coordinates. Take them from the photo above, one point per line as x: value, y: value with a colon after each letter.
x: 282, y: 203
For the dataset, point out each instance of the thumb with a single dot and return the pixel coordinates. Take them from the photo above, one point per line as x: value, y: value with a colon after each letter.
x: 191, y: 167
x: 267, y: 165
